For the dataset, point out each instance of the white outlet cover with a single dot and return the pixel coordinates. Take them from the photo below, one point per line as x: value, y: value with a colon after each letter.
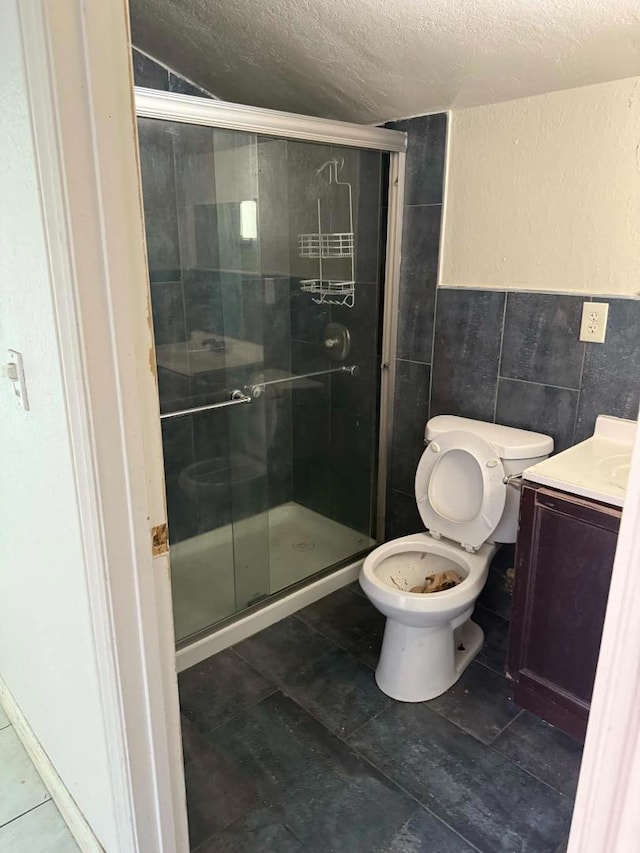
x: 593, y: 327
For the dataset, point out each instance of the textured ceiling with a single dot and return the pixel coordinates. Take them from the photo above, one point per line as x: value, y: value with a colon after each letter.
x: 372, y: 60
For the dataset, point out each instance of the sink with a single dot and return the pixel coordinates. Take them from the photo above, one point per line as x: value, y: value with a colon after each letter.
x: 615, y: 469
x: 597, y: 468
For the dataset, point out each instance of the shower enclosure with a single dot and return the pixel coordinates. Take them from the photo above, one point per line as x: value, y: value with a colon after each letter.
x: 266, y: 238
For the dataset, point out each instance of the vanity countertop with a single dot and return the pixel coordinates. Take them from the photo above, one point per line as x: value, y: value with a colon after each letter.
x: 597, y: 468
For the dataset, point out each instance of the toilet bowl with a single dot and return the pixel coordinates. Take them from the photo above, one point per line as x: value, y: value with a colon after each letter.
x: 468, y: 502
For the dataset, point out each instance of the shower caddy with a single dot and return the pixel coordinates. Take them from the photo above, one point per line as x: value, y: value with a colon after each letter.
x: 330, y: 246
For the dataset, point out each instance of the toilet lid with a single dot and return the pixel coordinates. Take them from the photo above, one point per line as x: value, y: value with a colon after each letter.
x: 459, y: 488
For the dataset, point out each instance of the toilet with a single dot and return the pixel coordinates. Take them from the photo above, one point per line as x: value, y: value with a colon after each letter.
x: 468, y: 497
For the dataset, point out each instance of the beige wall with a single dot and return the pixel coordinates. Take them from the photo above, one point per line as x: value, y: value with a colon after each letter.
x: 543, y: 193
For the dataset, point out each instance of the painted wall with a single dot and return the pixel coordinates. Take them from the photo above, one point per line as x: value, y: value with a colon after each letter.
x: 47, y: 658
x: 543, y: 193
x: 495, y: 355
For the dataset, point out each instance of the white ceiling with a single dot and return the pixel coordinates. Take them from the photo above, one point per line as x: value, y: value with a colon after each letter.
x: 373, y: 60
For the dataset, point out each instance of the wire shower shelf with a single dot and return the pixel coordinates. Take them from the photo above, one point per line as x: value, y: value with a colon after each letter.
x: 330, y: 246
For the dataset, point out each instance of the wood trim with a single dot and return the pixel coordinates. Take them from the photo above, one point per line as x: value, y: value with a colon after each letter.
x: 521, y: 562
x: 565, y: 718
x: 78, y: 62
x: 600, y: 515
x: 67, y: 806
x: 606, y: 816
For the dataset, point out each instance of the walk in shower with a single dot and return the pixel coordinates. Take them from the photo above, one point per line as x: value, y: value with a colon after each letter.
x: 266, y: 243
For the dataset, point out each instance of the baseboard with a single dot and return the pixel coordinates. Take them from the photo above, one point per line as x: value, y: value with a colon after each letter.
x: 71, y: 814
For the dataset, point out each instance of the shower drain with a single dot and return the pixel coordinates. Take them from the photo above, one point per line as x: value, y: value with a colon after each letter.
x: 303, y: 546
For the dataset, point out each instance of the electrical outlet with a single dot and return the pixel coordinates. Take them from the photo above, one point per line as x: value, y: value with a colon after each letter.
x: 594, y: 322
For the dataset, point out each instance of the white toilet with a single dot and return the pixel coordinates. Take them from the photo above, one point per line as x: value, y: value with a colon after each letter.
x: 468, y: 505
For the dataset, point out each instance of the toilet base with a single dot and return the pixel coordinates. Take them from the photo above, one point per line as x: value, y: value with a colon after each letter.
x: 417, y: 664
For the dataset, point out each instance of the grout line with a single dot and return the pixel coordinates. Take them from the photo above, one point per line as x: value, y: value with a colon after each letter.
x: 504, y: 728
x: 441, y: 232
x: 575, y: 420
x: 345, y: 739
x: 541, y: 384
x: 397, y: 784
x: 428, y: 204
x: 414, y: 361
x: 238, y: 713
x: 171, y: 71
x: 351, y: 734
x: 529, y: 773
x: 504, y: 317
x: 433, y: 343
x: 325, y: 635
x: 32, y: 809
x: 488, y: 666
x: 204, y: 844
x: 584, y: 296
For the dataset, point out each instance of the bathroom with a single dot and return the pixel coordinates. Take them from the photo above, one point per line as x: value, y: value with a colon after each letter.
x: 274, y: 633
x: 334, y: 368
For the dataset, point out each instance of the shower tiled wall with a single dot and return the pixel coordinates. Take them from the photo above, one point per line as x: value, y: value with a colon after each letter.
x: 335, y: 428
x: 152, y: 75
x: 322, y: 453
x: 511, y: 357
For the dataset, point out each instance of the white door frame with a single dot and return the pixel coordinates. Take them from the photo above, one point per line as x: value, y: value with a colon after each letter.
x: 82, y: 106
x: 606, y: 817
x: 78, y: 63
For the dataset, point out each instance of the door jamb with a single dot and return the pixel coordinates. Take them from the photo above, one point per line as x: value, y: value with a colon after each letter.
x: 78, y: 63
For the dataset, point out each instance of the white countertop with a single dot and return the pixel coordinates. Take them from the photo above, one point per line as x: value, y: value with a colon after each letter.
x: 597, y: 468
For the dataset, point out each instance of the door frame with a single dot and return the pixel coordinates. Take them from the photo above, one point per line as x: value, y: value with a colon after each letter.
x: 79, y: 70
x: 78, y: 65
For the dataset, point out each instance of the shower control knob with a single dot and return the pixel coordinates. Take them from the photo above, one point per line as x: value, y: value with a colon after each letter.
x: 337, y: 341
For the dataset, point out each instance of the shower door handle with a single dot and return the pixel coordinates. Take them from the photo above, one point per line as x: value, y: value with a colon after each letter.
x: 237, y: 397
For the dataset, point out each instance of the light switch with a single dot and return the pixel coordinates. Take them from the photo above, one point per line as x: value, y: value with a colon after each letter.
x: 594, y: 322
x: 14, y: 372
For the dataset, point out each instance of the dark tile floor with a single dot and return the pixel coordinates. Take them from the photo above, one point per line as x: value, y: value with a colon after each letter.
x: 290, y: 746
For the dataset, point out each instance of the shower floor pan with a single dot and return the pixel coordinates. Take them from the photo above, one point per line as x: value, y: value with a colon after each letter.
x: 219, y: 573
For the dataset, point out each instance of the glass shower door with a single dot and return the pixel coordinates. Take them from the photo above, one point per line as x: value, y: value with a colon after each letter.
x: 264, y: 265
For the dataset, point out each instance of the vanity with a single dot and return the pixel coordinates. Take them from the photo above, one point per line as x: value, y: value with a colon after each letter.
x: 570, y: 512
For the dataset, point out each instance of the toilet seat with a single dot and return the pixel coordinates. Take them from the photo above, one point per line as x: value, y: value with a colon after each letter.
x: 460, y: 489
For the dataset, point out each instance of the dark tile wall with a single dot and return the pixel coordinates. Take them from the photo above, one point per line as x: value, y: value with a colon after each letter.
x: 322, y: 437
x: 152, y: 75
x: 195, y: 290
x: 510, y: 357
x: 335, y: 420
x: 417, y: 301
x: 316, y: 441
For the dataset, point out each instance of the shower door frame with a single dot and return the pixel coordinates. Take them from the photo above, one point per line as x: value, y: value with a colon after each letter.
x: 187, y: 109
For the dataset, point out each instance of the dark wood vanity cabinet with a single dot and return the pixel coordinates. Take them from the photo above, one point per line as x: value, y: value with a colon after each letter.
x: 564, y: 558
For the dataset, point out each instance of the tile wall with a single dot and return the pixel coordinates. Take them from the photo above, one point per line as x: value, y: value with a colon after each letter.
x: 321, y: 438
x: 151, y: 75
x: 510, y: 357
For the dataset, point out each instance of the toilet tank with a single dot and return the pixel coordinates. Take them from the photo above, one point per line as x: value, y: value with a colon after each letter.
x: 517, y: 448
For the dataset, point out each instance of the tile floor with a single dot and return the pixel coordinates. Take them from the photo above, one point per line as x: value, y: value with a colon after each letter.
x: 290, y: 746
x: 29, y: 820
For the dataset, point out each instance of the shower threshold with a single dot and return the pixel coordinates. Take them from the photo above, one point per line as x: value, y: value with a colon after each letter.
x: 222, y: 571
